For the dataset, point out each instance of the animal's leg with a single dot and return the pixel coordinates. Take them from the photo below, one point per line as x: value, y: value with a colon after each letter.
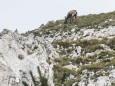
x: 70, y: 20
x: 74, y: 19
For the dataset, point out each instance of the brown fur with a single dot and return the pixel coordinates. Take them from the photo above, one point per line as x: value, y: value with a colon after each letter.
x: 72, y: 15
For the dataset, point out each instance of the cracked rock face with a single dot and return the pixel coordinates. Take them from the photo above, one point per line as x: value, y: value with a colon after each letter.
x: 21, y: 54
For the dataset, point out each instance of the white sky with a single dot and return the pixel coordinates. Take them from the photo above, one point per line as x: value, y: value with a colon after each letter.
x: 26, y: 15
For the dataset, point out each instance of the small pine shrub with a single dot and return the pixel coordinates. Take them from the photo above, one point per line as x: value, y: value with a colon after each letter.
x: 24, y: 83
x: 43, y: 80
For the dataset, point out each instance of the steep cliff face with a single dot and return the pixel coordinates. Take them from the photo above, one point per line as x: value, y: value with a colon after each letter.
x: 20, y: 54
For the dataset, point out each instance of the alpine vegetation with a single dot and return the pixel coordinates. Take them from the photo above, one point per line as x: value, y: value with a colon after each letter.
x: 61, y: 53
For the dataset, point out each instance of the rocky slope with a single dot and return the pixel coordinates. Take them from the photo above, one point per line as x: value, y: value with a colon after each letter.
x: 78, y: 54
x: 20, y: 54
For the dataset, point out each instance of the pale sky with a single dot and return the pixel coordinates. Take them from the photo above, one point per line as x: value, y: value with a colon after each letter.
x: 27, y: 15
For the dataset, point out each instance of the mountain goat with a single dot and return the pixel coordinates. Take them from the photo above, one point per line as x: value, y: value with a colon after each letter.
x: 72, y: 15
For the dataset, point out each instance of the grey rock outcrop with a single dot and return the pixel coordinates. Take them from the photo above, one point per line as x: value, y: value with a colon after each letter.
x: 21, y: 54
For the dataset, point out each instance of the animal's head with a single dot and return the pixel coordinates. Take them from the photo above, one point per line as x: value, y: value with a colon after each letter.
x: 65, y: 20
